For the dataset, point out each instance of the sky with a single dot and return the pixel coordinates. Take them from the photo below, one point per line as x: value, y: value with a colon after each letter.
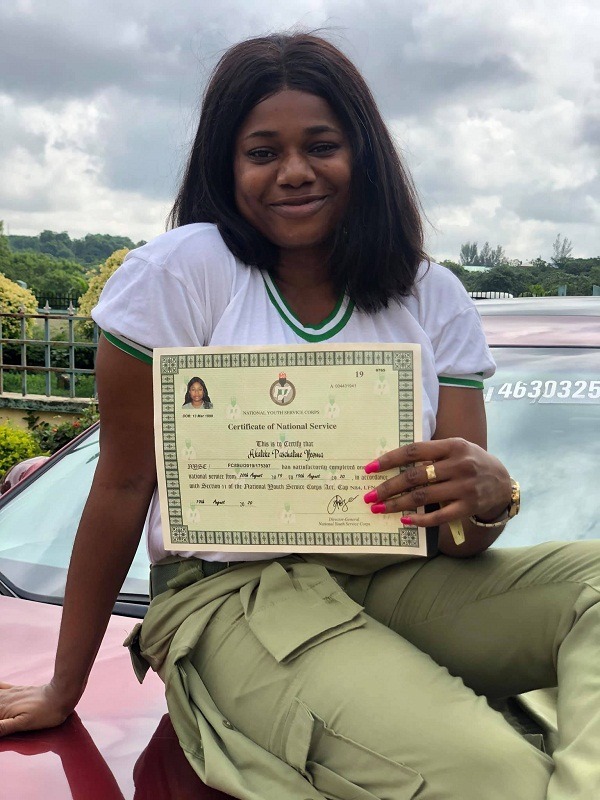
x: 494, y: 107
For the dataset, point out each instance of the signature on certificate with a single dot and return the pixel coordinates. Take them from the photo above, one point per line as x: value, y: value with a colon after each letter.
x: 338, y: 503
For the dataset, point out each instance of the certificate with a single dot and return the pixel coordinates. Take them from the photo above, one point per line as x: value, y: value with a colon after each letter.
x: 262, y: 449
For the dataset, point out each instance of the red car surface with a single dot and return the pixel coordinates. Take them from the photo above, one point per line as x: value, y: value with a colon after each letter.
x: 120, y: 743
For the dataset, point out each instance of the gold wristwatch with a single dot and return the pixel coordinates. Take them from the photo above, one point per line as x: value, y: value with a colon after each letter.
x: 509, y: 512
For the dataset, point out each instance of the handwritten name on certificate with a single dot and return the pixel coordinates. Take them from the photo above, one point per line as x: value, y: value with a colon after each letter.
x: 263, y: 448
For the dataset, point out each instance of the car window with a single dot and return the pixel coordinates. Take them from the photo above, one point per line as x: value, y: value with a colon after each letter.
x: 38, y: 525
x: 543, y: 410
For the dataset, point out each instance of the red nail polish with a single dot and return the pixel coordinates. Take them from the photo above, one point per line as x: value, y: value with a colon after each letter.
x: 406, y: 520
x: 371, y: 496
x: 378, y: 508
x: 373, y: 466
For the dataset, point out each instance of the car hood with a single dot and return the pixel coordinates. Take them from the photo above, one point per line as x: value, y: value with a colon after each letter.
x: 121, y: 734
x: 542, y: 331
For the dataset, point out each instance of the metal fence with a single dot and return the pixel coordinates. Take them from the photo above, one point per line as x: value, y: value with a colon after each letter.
x: 57, y: 301
x: 64, y: 375
x: 491, y: 295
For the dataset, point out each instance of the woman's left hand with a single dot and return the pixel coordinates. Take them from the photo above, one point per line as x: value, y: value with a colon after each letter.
x: 468, y: 481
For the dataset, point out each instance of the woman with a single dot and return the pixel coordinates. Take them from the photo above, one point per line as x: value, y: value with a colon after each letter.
x: 296, y: 222
x: 196, y: 395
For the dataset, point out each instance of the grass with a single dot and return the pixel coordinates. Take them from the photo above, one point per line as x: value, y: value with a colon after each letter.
x: 36, y: 384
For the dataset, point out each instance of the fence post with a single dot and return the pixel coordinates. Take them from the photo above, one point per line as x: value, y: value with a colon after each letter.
x: 71, y: 355
x: 47, y: 350
x: 23, y: 351
x: 1, y: 352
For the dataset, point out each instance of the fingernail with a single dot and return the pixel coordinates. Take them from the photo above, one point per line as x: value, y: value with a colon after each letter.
x: 378, y: 508
x: 372, y: 467
x: 371, y: 496
x: 404, y: 520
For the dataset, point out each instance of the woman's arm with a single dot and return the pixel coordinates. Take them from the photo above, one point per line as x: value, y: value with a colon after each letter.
x: 470, y: 481
x: 105, y: 544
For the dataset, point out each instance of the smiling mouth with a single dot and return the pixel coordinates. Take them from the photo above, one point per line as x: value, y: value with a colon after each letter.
x: 294, y: 207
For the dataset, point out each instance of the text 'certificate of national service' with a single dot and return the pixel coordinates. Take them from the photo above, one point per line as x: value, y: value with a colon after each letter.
x: 262, y: 449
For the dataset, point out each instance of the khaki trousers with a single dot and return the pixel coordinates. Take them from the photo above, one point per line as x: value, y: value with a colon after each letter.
x: 393, y: 708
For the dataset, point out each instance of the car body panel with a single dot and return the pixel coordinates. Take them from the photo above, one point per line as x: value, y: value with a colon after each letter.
x: 116, y: 716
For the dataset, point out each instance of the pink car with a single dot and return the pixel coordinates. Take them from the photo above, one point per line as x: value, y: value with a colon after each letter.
x: 543, y: 407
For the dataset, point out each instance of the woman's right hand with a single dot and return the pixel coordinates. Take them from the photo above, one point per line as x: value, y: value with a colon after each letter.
x: 29, y: 708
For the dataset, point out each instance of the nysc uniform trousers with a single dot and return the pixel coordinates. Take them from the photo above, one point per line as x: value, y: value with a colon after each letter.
x: 286, y: 679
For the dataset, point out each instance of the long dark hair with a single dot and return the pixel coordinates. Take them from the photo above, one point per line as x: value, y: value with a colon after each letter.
x: 378, y: 246
x: 206, y: 399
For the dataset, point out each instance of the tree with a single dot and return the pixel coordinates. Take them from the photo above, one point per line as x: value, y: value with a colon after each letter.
x: 502, y: 279
x: 90, y: 298
x: 492, y: 258
x: 581, y: 266
x: 12, y: 299
x: 537, y: 290
x: 56, y: 244
x: 95, y: 248
x: 46, y: 275
x: 4, y: 249
x: 454, y: 267
x: 561, y: 251
x: 92, y: 250
x: 468, y: 254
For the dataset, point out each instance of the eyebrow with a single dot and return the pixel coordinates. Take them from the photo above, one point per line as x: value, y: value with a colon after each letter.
x: 312, y: 130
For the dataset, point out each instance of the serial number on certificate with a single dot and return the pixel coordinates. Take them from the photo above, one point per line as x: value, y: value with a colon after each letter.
x: 262, y: 448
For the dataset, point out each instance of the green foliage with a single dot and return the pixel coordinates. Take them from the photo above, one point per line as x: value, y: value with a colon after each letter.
x: 486, y: 257
x: 50, y: 437
x: 12, y: 298
x: 468, y: 254
x: 91, y: 250
x: 4, y: 248
x: 492, y: 258
x: 36, y: 384
x: 455, y: 268
x: 46, y: 274
x: 90, y: 298
x: 501, y: 279
x: 16, y: 445
x: 561, y: 251
x: 581, y: 266
x: 536, y: 290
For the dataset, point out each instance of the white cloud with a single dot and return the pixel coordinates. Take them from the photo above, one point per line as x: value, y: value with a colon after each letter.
x: 496, y: 108
x: 58, y: 186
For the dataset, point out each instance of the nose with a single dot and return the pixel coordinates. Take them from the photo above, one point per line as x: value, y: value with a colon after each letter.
x: 295, y: 170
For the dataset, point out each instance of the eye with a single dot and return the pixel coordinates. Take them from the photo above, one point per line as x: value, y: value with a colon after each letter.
x: 324, y: 148
x: 261, y: 153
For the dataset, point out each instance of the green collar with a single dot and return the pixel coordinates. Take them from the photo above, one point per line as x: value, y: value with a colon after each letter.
x: 310, y: 333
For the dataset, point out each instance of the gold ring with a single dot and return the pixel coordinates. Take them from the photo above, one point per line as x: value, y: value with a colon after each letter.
x: 430, y: 472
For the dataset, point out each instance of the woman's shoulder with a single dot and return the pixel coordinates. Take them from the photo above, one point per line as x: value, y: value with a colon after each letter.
x: 434, y: 276
x: 187, y: 245
x: 437, y: 298
x: 437, y: 286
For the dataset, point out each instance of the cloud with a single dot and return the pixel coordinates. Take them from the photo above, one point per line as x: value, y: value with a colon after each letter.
x: 496, y: 108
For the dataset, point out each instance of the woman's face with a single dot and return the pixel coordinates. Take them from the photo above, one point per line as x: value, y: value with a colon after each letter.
x: 292, y: 169
x: 196, y: 393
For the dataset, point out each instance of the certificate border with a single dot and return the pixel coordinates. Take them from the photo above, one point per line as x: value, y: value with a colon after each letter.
x: 403, y: 358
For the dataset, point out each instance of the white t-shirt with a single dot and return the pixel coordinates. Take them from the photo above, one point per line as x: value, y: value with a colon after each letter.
x: 186, y: 289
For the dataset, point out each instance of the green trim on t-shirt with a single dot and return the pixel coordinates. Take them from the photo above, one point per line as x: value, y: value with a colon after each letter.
x: 466, y: 381
x: 131, y: 348
x: 326, y: 329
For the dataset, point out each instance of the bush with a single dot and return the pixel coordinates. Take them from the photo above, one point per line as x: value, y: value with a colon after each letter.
x: 50, y: 437
x: 16, y: 445
x: 96, y: 284
x: 12, y: 297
